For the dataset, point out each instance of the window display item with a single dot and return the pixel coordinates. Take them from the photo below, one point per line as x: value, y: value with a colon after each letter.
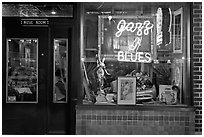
x: 110, y: 97
x: 101, y: 73
x: 114, y: 86
x: 146, y: 91
x: 90, y: 96
x: 126, y: 90
x: 101, y: 98
x: 167, y: 94
x: 147, y: 94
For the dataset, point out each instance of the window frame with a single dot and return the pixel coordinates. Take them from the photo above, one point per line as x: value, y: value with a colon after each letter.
x: 187, y: 53
x: 7, y: 48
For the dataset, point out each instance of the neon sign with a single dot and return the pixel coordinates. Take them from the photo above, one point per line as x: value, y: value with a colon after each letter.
x: 164, y: 20
x: 159, y: 26
x: 132, y: 27
x: 140, y: 29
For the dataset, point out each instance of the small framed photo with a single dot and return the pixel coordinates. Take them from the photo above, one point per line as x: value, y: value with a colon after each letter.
x: 126, y: 90
x: 178, y: 31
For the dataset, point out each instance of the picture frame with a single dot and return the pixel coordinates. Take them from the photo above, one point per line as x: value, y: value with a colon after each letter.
x: 178, y: 31
x: 126, y: 91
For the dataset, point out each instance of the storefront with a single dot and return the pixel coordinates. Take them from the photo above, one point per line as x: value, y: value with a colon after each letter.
x: 122, y: 68
x: 136, y: 69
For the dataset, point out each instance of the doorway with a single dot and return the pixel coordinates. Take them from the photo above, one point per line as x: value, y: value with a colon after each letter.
x: 37, y: 52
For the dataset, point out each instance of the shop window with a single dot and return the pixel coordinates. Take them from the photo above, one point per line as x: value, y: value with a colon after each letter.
x: 134, y: 53
x: 22, y: 71
x: 60, y: 71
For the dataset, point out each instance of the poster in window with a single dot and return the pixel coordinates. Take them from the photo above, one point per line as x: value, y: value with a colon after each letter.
x: 178, y: 31
x: 126, y: 90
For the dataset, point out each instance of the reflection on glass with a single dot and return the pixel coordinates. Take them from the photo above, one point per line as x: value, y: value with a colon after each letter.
x: 22, y: 71
x: 37, y: 10
x: 60, y: 71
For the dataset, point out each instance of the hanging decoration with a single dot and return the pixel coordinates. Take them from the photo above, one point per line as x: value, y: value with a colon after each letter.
x: 164, y: 21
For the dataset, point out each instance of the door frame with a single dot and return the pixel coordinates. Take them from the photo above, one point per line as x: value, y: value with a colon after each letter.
x: 16, y: 117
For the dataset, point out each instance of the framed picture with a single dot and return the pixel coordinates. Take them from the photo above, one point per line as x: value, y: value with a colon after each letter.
x: 178, y: 31
x: 126, y: 90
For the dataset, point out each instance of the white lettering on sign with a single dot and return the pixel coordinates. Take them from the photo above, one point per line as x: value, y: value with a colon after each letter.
x: 28, y: 22
x: 41, y: 22
x: 34, y: 22
x: 134, y: 57
x: 140, y: 28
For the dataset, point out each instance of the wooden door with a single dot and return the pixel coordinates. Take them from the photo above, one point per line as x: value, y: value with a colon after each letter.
x: 42, y: 115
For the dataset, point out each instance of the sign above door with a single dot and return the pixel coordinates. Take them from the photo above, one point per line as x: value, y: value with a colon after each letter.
x: 35, y: 22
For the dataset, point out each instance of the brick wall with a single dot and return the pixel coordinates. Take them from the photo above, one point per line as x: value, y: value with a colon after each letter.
x: 197, y: 64
x: 134, y: 122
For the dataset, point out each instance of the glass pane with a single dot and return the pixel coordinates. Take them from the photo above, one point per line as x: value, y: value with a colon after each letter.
x: 22, y: 70
x: 140, y: 40
x: 38, y: 10
x: 60, y: 70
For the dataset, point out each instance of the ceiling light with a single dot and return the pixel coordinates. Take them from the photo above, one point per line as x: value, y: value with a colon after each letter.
x: 53, y: 12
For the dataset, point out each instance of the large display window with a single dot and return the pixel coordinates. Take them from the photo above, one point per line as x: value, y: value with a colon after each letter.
x: 22, y: 70
x: 134, y: 49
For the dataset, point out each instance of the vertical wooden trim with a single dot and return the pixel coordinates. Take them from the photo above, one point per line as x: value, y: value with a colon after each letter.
x: 80, y: 16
